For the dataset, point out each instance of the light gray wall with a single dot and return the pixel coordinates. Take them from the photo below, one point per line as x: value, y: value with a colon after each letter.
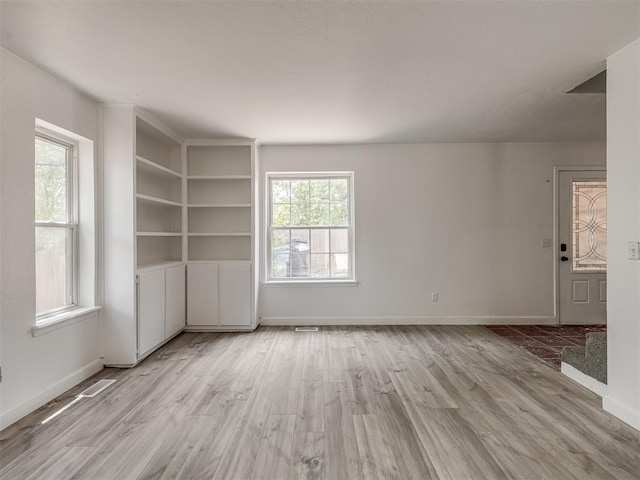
x: 623, y: 176
x: 464, y: 220
x: 34, y: 369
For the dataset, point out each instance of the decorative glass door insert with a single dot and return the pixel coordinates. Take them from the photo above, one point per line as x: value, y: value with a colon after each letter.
x: 589, y: 226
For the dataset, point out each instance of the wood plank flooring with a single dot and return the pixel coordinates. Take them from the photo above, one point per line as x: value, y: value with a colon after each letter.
x: 450, y: 402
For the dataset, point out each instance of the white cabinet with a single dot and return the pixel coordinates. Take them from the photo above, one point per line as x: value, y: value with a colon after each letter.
x: 161, y: 306
x: 219, y: 295
x: 202, y: 305
x: 235, y: 294
x: 175, y: 300
x: 151, y: 310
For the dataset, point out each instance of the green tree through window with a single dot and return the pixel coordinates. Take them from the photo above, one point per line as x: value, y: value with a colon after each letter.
x: 55, y: 227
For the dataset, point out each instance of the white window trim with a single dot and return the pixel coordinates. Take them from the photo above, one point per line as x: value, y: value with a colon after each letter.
x: 44, y: 318
x: 63, y: 319
x: 312, y: 282
x: 308, y: 281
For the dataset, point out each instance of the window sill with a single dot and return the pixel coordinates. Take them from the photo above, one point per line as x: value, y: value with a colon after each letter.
x: 311, y: 283
x: 64, y: 319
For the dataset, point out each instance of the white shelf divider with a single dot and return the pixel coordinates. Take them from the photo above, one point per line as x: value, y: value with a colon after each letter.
x: 219, y: 205
x: 158, y: 266
x: 157, y: 167
x: 159, y: 234
x: 219, y: 177
x: 223, y: 234
x: 149, y: 198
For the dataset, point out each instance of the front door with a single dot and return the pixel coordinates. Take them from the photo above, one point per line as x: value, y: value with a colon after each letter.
x: 582, y: 247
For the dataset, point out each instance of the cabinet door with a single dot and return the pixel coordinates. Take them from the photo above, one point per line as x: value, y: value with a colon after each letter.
x: 202, y: 295
x: 235, y: 294
x: 175, y: 299
x: 150, y: 310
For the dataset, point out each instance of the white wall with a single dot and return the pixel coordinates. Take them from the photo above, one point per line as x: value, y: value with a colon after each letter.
x: 623, y: 297
x: 464, y: 220
x: 34, y: 369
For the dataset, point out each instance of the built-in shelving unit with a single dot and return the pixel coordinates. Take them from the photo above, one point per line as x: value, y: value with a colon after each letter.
x: 219, y: 200
x: 220, y: 195
x: 158, y: 160
x: 180, y: 243
x: 145, y: 241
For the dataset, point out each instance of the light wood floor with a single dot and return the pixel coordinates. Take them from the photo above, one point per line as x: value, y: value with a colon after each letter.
x: 345, y: 403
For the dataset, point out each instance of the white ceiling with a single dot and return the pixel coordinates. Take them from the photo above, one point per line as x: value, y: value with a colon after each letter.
x: 336, y: 72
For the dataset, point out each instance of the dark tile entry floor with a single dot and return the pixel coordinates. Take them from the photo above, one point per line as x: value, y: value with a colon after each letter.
x: 546, y: 341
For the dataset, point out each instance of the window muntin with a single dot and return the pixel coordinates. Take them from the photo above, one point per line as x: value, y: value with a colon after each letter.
x: 55, y: 224
x: 310, y: 226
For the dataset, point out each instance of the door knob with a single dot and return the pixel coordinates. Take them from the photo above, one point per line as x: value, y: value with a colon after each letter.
x: 564, y: 259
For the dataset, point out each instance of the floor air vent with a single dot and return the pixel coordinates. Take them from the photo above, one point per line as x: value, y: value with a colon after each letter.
x: 306, y: 329
x: 96, y: 388
x: 90, y: 392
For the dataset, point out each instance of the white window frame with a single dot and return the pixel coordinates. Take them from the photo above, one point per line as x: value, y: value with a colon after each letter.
x: 72, y: 205
x: 269, y: 280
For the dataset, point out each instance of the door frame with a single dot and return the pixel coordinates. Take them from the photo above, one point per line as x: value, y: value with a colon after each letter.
x: 556, y: 225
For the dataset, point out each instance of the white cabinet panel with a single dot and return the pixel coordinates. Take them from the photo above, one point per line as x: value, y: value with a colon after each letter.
x: 151, y: 310
x: 175, y: 300
x: 235, y: 294
x: 202, y: 297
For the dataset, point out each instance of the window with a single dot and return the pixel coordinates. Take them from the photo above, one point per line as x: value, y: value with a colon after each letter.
x: 55, y: 224
x: 589, y: 225
x: 310, y: 227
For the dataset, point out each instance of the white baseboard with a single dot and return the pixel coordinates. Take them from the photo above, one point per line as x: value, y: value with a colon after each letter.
x: 209, y: 329
x: 586, y: 381
x: 587, y: 322
x: 405, y: 320
x: 9, y: 418
x: 623, y: 412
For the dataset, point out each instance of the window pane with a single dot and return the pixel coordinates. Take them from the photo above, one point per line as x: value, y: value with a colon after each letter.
x: 281, y: 215
x: 299, y: 260
x: 339, y: 213
x: 51, y: 194
x: 319, y: 214
x: 340, y: 265
x: 320, y: 241
x: 589, y: 225
x: 300, y: 214
x: 280, y: 191
x: 53, y: 267
x: 339, y: 190
x: 280, y: 240
x: 280, y: 249
x: 299, y: 191
x: 300, y: 240
x: 339, y: 240
x: 279, y: 265
x: 320, y: 265
x: 319, y: 191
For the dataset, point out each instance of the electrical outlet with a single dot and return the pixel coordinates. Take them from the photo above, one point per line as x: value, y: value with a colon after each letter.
x: 634, y: 250
x: 545, y: 241
x: 434, y: 296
